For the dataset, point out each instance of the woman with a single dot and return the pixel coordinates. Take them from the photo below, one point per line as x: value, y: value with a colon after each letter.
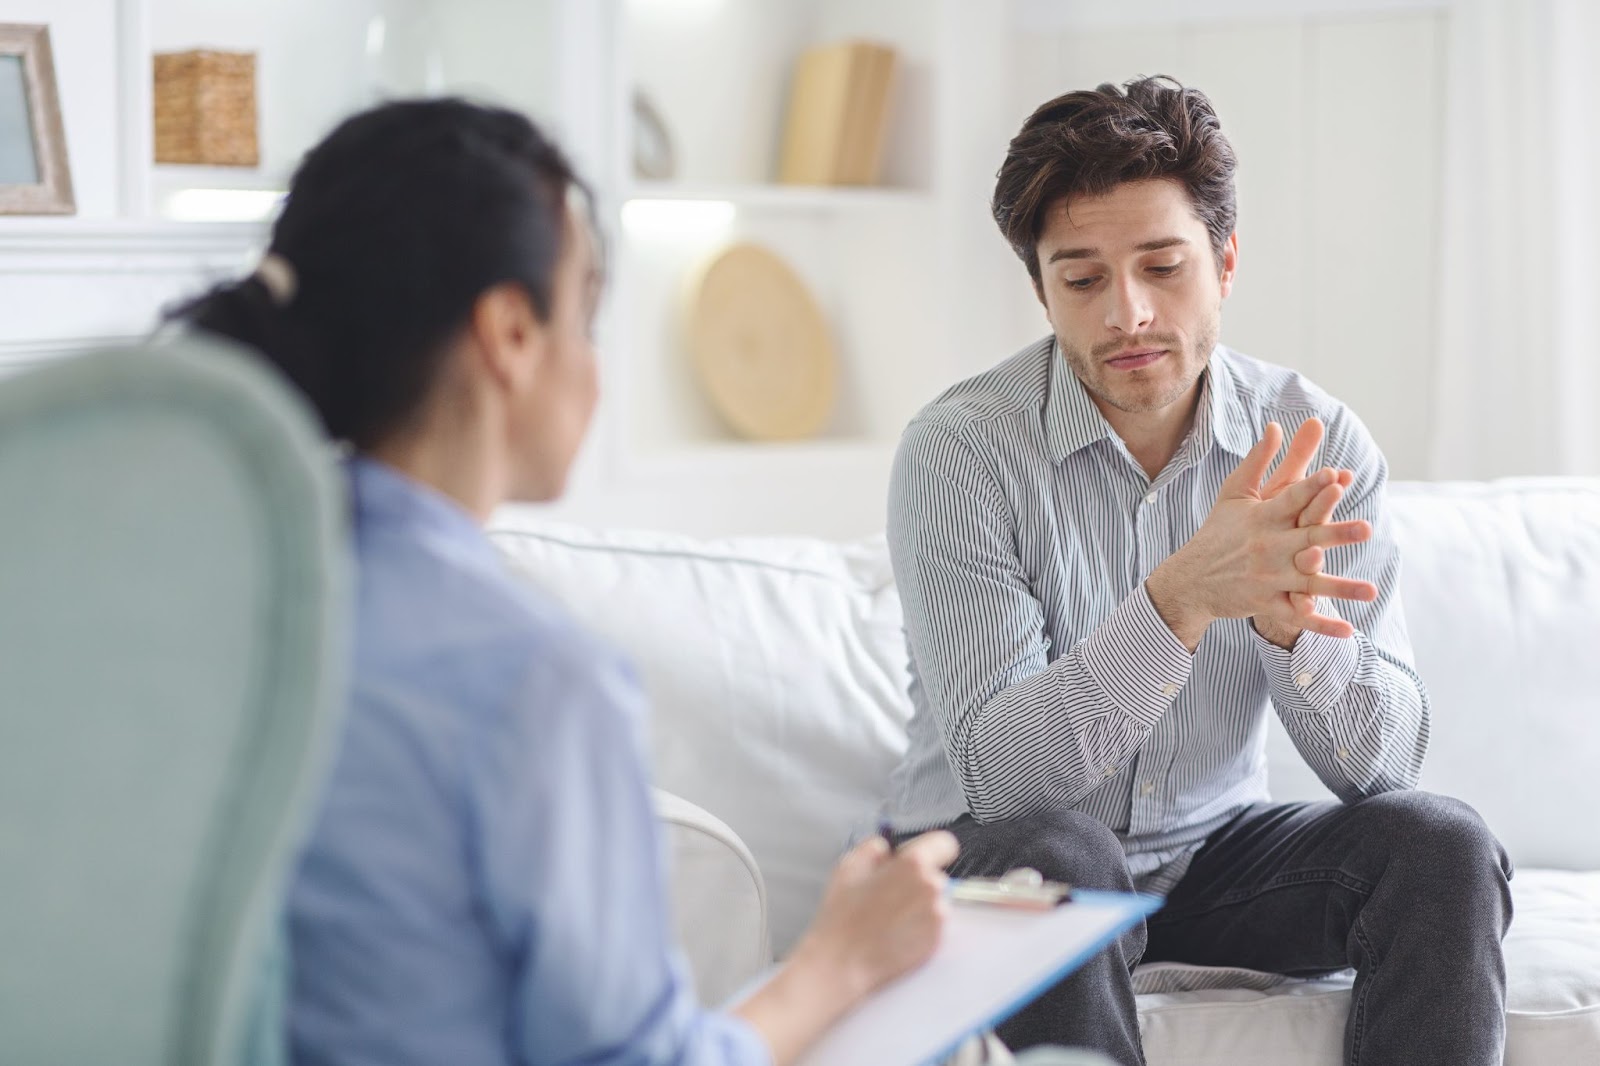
x: 482, y: 883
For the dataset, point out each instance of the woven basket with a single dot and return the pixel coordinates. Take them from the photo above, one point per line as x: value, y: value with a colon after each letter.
x: 205, y: 106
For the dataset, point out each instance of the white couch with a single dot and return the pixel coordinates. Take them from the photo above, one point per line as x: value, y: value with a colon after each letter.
x: 778, y: 673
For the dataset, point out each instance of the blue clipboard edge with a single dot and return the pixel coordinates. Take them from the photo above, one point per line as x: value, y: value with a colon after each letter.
x: 1140, y: 906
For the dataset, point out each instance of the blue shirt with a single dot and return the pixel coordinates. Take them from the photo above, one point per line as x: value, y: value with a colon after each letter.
x: 483, y: 883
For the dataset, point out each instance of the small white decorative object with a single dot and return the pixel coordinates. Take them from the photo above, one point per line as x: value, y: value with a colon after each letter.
x: 653, y: 155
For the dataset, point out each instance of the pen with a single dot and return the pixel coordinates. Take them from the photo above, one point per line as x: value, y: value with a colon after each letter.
x: 886, y: 831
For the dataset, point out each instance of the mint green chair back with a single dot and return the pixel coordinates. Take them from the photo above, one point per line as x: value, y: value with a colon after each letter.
x: 172, y: 614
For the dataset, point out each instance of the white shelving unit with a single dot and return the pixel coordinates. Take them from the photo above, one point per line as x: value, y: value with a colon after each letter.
x: 882, y: 261
x: 315, y: 64
x: 907, y: 273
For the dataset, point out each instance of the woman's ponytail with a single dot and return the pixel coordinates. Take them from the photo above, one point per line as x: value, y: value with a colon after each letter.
x: 254, y: 312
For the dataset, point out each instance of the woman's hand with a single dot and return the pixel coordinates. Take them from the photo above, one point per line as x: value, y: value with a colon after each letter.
x: 881, y: 916
x: 883, y: 912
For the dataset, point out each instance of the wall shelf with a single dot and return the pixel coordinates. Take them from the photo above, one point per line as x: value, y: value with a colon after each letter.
x: 766, y: 459
x: 77, y: 245
x: 772, y: 196
x: 218, y: 177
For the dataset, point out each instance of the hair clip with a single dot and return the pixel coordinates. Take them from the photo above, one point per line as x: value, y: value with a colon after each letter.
x: 277, y: 274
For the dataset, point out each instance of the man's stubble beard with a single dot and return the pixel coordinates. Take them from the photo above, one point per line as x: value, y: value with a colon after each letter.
x: 1083, y: 364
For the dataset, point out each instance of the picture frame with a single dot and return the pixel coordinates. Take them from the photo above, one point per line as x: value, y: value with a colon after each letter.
x: 34, y: 176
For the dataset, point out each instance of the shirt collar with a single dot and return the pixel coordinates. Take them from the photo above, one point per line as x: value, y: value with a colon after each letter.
x: 1073, y: 422
x: 382, y: 496
x: 1071, y: 419
x: 1230, y: 424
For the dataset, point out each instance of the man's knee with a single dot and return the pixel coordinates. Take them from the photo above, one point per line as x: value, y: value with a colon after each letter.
x: 1065, y: 846
x: 1441, y: 835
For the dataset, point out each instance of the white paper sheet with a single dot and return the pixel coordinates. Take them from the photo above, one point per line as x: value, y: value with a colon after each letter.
x: 991, y: 961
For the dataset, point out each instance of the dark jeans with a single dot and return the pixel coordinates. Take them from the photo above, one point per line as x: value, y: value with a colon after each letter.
x: 1409, y: 888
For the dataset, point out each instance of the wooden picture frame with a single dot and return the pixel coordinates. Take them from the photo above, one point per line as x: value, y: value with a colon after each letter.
x: 34, y: 178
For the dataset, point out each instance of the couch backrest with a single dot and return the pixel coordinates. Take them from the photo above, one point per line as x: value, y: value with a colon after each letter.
x: 1501, y: 586
x: 777, y: 668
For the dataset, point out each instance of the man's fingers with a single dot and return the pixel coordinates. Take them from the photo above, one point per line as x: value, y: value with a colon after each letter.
x: 1322, y: 505
x: 1341, y: 588
x: 1335, y: 534
x: 1301, y: 613
x: 1302, y: 449
x: 1297, y: 497
x: 1252, y: 469
x: 1308, y: 560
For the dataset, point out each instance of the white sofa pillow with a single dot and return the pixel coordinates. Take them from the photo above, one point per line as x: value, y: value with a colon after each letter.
x: 777, y: 674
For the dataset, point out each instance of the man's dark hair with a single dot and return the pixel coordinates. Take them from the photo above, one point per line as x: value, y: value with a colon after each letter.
x: 1085, y: 143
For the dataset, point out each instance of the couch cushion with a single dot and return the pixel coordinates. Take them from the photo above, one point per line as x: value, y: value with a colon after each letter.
x: 777, y: 670
x: 1552, y: 1002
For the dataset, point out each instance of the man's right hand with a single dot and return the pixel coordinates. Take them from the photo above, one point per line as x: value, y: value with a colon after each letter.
x: 1248, y: 558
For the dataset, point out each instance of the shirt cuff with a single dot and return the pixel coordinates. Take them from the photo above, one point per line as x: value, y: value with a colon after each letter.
x: 1315, y: 675
x: 1135, y: 658
x: 743, y: 1045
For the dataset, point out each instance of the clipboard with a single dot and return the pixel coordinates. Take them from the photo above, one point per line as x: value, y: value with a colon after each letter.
x: 991, y: 962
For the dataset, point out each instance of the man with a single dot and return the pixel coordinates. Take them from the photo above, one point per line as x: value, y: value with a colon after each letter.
x: 1104, y: 591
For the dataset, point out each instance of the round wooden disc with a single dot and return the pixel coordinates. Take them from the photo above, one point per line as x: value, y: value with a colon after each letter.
x: 761, y: 345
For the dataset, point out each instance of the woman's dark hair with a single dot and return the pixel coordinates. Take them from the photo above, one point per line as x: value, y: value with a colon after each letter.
x: 1086, y: 143
x: 393, y: 227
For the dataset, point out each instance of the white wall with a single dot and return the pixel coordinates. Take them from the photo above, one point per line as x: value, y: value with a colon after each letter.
x: 313, y: 64
x: 500, y: 50
x: 1335, y: 116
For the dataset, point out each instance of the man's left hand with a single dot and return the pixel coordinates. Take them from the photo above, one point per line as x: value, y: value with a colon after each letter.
x: 1293, y: 469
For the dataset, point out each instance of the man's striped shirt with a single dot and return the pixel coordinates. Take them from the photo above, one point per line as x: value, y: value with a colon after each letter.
x: 1022, y: 530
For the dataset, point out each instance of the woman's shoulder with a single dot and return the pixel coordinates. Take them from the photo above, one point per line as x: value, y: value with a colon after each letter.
x: 456, y: 627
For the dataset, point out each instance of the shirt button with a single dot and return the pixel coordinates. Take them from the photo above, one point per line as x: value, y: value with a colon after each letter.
x: 1343, y: 753
x: 1149, y: 787
x: 1169, y: 690
x: 1111, y: 771
x: 1150, y: 498
x: 1304, y: 679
